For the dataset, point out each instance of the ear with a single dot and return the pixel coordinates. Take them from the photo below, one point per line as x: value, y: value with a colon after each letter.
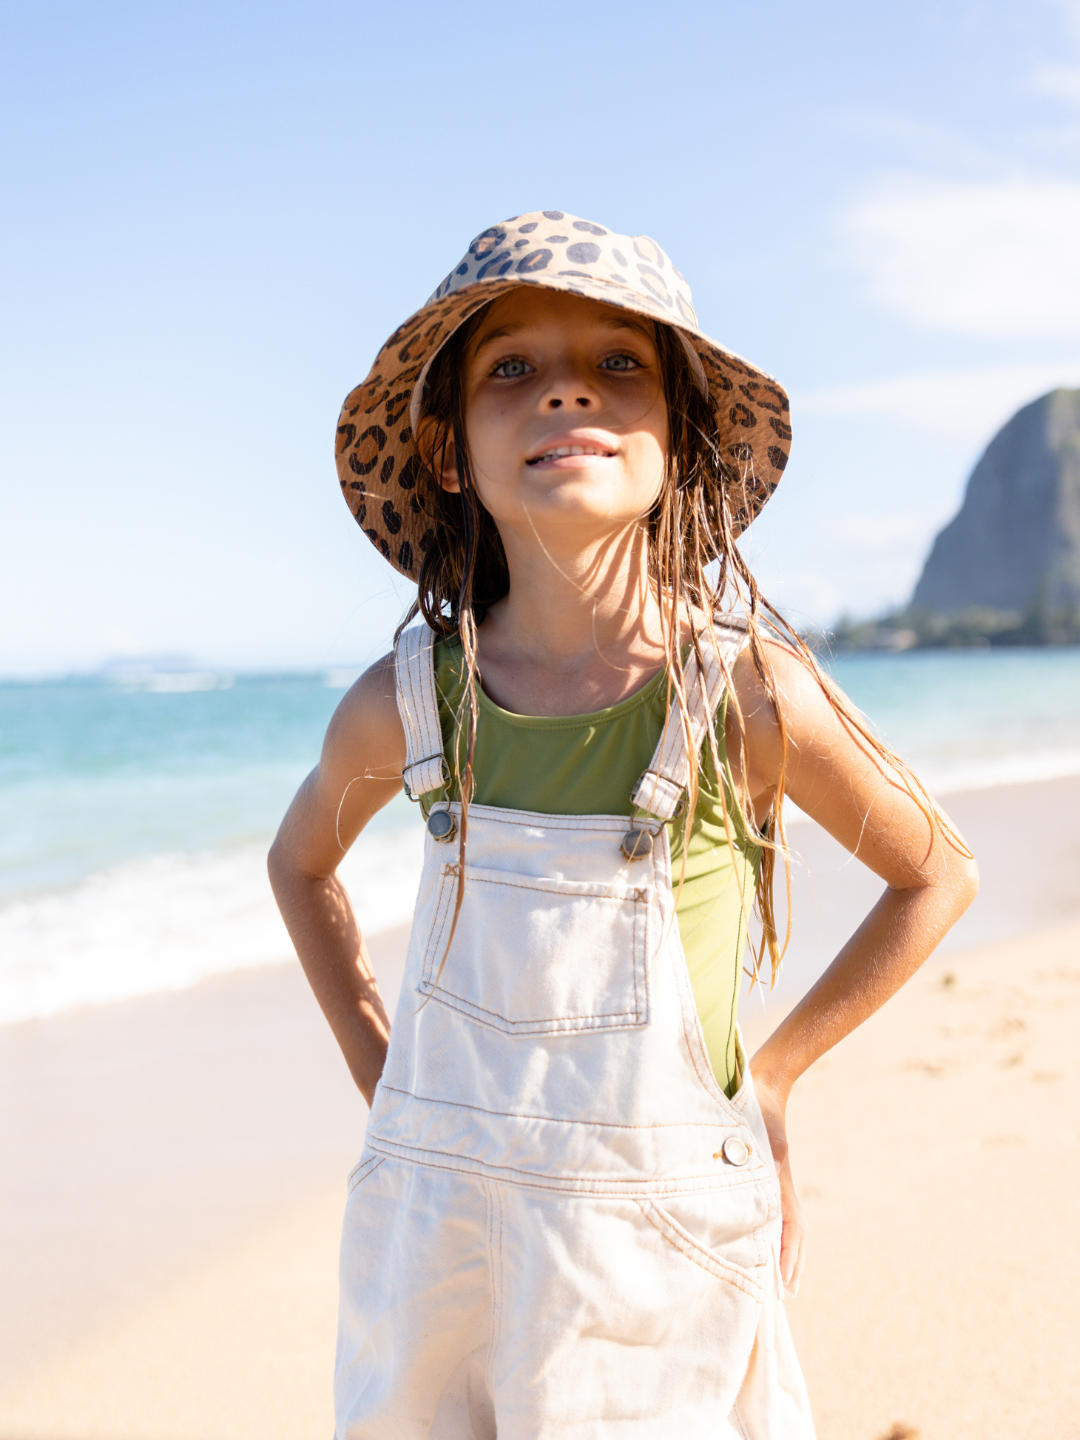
x: 435, y: 442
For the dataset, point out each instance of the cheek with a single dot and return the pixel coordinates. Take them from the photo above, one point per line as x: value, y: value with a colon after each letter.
x: 484, y: 426
x: 652, y: 431
x: 490, y: 423
x: 651, y: 456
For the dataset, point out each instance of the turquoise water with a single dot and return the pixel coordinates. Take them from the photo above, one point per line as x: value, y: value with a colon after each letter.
x: 94, y: 773
x: 134, y: 818
x: 969, y: 718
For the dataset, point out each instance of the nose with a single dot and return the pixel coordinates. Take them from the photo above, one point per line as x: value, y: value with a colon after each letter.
x: 571, y: 388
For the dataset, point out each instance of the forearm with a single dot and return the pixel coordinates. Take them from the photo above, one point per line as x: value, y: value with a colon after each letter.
x: 889, y: 946
x: 320, y: 921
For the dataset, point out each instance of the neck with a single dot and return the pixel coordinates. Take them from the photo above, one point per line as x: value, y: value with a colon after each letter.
x: 579, y: 629
x: 561, y: 604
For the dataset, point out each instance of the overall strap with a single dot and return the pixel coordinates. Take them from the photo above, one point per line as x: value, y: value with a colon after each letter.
x: 418, y: 706
x: 661, y: 788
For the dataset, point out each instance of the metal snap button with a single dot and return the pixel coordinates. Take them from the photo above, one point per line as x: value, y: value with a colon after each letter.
x: 735, y: 1151
x: 440, y: 823
x: 637, y: 844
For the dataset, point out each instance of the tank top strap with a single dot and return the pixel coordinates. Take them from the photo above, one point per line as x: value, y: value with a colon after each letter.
x: 418, y: 706
x: 661, y: 788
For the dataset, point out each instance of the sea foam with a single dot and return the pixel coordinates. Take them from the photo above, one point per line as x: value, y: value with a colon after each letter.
x: 167, y: 922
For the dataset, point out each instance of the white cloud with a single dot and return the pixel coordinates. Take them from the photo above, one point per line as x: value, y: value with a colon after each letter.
x: 1060, y: 78
x: 1069, y: 10
x: 965, y: 406
x: 1060, y: 81
x: 993, y: 258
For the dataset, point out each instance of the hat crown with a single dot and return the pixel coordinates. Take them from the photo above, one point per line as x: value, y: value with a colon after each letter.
x: 550, y: 244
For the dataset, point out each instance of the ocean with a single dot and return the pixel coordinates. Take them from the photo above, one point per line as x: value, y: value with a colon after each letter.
x: 136, y: 809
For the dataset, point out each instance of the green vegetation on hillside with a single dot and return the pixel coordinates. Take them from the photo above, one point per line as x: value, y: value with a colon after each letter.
x: 978, y: 627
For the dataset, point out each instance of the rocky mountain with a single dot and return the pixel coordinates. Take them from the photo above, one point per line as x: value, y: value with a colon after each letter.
x: 1015, y: 543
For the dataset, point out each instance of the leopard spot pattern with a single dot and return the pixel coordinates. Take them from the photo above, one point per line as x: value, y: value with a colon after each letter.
x: 373, y: 445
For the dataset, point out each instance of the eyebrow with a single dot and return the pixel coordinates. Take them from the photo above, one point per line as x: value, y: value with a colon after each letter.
x: 501, y: 333
x: 609, y: 322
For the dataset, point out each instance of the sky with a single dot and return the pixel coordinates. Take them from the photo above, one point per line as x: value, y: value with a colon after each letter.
x: 216, y: 213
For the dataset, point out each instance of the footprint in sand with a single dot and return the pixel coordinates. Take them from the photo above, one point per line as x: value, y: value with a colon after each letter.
x: 926, y: 1067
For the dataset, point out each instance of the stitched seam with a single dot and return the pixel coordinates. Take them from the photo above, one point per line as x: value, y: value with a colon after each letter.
x: 590, y: 889
x: 541, y: 820
x: 635, y: 940
x: 430, y: 730
x: 532, y: 1180
x: 694, y: 1038
x: 415, y: 695
x: 431, y: 699
x: 438, y: 924
x: 692, y: 1048
x: 419, y: 716
x: 360, y: 1174
x: 670, y: 761
x: 739, y: 1418
x: 401, y: 673
x: 414, y: 702
x: 554, y: 724
x: 694, y: 1246
x: 414, y: 709
x: 578, y: 1021
x: 701, y: 1257
x: 496, y: 1319
x: 414, y: 698
x: 493, y: 1280
x: 748, y: 1176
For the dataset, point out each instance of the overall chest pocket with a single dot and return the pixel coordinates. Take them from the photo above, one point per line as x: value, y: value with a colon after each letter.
x: 531, y: 956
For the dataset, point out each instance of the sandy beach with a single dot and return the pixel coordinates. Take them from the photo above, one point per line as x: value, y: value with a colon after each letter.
x: 174, y: 1175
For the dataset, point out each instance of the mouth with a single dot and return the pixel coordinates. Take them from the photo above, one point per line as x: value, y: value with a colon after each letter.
x: 561, y: 452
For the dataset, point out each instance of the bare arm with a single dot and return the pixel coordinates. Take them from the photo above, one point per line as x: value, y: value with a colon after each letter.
x: 838, y: 780
x: 358, y: 773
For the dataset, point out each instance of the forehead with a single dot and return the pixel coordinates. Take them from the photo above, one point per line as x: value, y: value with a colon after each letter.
x: 534, y: 307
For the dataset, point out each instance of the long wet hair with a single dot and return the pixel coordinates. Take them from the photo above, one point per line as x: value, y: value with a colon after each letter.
x: 695, y: 569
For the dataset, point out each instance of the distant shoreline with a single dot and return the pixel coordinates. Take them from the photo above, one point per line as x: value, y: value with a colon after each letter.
x: 976, y: 628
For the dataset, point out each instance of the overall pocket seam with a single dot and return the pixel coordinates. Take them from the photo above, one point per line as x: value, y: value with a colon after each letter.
x: 636, y: 897
x: 569, y: 1022
x: 680, y: 1239
x: 359, y: 1173
x: 438, y: 926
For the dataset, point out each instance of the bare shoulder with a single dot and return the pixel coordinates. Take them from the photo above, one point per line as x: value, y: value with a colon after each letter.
x: 365, y: 733
x: 834, y: 771
x: 359, y: 771
x: 784, y: 681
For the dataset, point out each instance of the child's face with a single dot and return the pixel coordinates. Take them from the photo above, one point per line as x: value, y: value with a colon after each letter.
x: 549, y: 372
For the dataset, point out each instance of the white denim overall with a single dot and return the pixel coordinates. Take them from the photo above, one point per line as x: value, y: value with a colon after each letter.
x: 560, y: 1226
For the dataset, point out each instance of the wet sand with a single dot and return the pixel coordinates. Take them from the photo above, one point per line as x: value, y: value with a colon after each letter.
x: 174, y: 1166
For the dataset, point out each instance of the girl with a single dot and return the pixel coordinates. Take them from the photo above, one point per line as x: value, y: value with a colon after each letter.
x: 575, y: 1215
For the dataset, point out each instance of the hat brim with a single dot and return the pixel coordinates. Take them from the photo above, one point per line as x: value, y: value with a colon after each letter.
x: 379, y: 466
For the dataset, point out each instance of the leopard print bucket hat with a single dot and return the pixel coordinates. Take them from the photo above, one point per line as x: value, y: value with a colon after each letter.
x: 382, y: 475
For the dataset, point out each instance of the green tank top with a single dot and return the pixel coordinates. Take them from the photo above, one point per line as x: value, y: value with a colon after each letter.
x: 588, y: 765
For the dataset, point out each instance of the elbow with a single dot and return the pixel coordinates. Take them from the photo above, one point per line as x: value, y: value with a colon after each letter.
x: 967, y: 886
x: 277, y: 864
x: 286, y: 870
